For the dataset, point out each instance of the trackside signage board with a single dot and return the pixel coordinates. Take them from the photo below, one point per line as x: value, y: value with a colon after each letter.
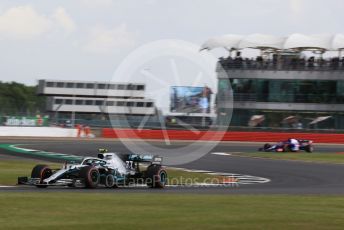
x: 25, y: 121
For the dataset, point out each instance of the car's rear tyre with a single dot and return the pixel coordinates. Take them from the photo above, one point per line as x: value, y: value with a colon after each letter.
x: 156, y: 176
x: 110, y: 181
x: 90, y: 175
x: 309, y: 148
x: 42, y: 172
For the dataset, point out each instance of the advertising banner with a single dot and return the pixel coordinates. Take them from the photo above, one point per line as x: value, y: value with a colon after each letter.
x: 25, y: 121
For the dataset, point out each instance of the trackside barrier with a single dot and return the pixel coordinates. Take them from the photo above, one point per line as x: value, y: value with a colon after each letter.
x: 37, y: 132
x: 218, y: 135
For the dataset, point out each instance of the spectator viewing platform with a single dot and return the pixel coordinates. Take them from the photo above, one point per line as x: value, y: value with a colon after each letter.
x: 281, y: 53
x: 282, y: 61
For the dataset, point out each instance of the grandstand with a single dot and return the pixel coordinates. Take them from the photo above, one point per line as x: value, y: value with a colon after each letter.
x: 297, y: 81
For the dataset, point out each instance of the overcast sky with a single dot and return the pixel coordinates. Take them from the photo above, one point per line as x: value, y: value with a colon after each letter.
x: 87, y: 39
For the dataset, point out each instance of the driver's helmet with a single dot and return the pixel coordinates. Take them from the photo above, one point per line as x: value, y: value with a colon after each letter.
x: 102, y: 150
x: 101, y: 153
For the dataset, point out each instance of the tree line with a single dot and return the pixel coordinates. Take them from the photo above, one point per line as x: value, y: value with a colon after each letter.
x: 19, y: 99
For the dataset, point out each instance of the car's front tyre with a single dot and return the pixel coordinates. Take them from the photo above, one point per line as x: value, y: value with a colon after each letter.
x: 42, y: 172
x: 91, y: 176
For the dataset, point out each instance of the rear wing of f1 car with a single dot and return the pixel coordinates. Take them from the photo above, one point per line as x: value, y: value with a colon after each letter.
x: 145, y: 158
x: 305, y: 141
x: 154, y: 159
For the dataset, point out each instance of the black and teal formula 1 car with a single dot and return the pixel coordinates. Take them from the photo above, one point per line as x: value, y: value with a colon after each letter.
x: 108, y: 170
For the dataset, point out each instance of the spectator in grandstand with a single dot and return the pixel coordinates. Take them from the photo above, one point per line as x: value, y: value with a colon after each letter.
x: 227, y: 63
x: 294, y: 63
x: 238, y: 60
x: 248, y: 63
x: 230, y: 62
x: 335, y: 63
x: 321, y: 62
x: 310, y: 62
x: 274, y: 60
x: 259, y: 61
x: 302, y: 63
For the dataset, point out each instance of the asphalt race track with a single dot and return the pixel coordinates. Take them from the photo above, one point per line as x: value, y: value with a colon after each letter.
x: 286, y: 177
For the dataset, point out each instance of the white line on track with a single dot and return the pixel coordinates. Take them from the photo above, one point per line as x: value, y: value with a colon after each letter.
x: 242, y: 179
x: 221, y: 154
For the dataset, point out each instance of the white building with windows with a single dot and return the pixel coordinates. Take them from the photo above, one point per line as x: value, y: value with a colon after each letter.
x: 96, y: 97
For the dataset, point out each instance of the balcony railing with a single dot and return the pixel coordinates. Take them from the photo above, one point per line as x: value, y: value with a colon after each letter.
x: 334, y: 64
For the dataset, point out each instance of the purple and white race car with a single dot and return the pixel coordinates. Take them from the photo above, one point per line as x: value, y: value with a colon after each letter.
x: 290, y: 145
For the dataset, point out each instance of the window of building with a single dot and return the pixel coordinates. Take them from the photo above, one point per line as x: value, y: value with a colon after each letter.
x: 88, y: 102
x: 112, y: 86
x: 58, y: 101
x: 110, y: 103
x: 49, y: 84
x: 60, y: 84
x: 70, y: 85
x: 130, y: 104
x: 68, y: 101
x: 80, y: 85
x: 121, y: 87
x: 131, y: 87
x: 98, y: 102
x: 140, y: 87
x: 286, y: 91
x: 90, y: 86
x: 120, y: 103
x: 101, y: 86
x: 139, y: 104
x: 149, y: 104
x: 79, y: 102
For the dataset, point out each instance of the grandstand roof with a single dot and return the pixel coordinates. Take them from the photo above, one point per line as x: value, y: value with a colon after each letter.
x: 295, y: 41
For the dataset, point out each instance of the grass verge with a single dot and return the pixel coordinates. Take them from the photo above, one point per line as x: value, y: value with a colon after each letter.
x: 55, y: 210
x: 10, y: 170
x: 309, y: 157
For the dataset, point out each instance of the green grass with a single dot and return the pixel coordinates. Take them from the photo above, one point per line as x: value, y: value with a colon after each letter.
x: 168, y: 211
x: 10, y: 170
x: 310, y: 157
